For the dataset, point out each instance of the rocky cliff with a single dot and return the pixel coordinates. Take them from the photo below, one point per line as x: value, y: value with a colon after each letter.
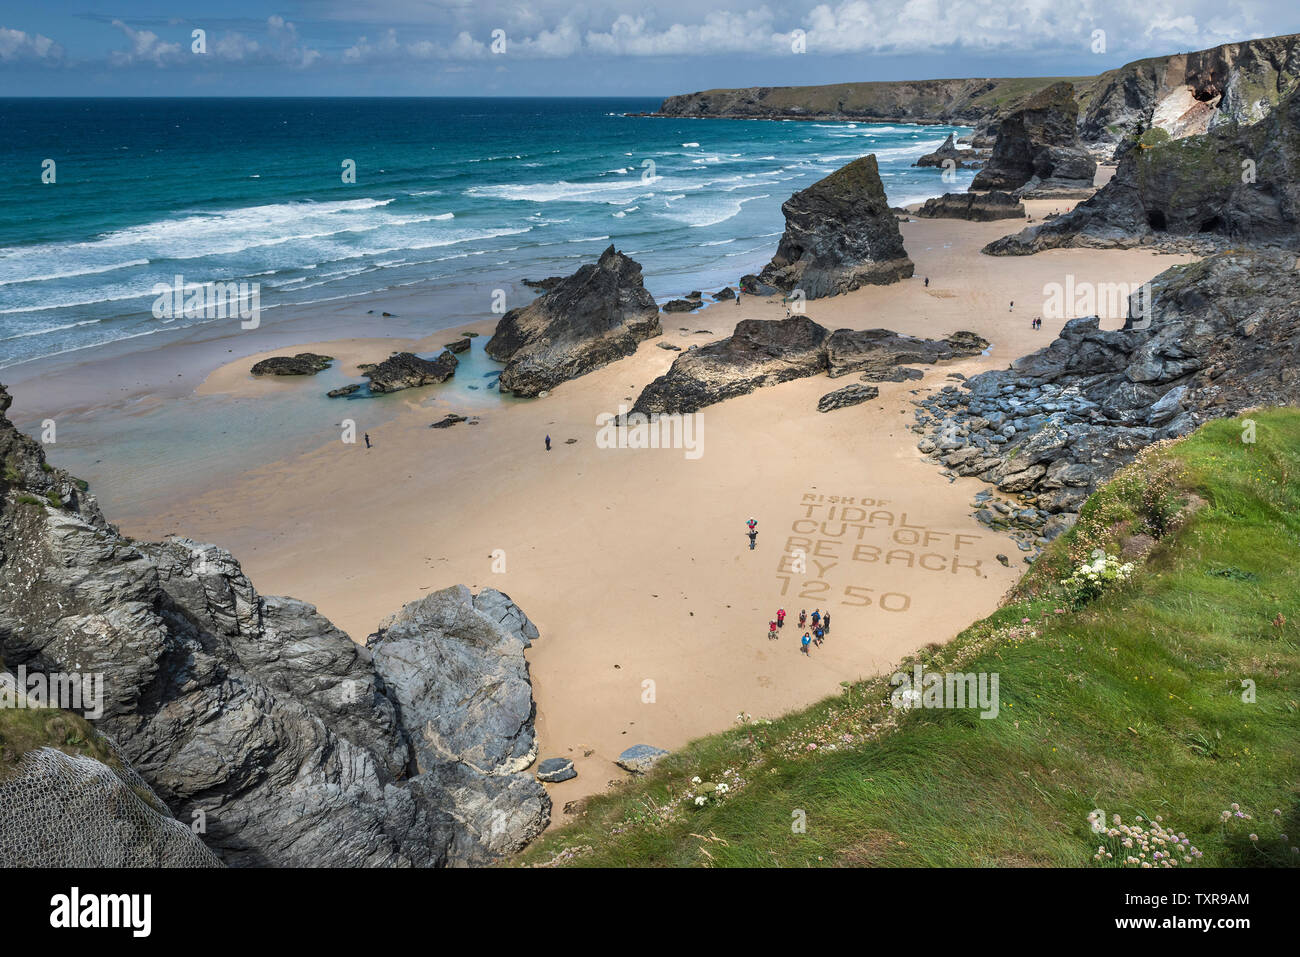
x: 599, y: 314
x: 840, y: 234
x: 253, y: 714
x: 1190, y: 93
x: 1221, y: 336
x: 1235, y: 184
x: 966, y: 101
x: 1183, y: 93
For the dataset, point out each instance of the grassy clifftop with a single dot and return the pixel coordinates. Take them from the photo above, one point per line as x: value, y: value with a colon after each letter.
x: 1171, y: 696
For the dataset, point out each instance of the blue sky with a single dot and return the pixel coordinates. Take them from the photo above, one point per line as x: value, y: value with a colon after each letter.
x: 584, y: 47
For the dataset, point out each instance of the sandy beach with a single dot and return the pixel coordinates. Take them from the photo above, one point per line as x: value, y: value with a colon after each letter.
x: 634, y: 564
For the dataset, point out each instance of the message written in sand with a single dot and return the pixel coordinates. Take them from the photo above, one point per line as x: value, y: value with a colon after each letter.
x: 860, y: 541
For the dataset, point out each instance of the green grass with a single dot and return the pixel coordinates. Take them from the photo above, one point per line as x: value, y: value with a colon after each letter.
x: 1132, y: 704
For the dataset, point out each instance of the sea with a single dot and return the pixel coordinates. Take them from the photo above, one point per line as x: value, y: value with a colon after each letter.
x: 323, y: 201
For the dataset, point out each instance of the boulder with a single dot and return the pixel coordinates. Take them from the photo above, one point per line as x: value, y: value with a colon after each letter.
x: 457, y: 345
x: 555, y: 770
x: 598, y: 315
x: 849, y: 395
x: 405, y: 370
x: 839, y: 235
x: 977, y: 207
x: 640, y: 758
x: 304, y: 363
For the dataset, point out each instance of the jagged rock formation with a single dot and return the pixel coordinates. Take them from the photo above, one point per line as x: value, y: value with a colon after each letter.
x: 1191, y: 93
x: 1222, y: 336
x: 763, y: 352
x: 304, y: 363
x: 1040, y: 141
x: 1235, y: 184
x: 949, y: 153
x: 405, y: 370
x: 977, y: 207
x: 839, y: 235
x: 599, y: 314
x: 255, y: 711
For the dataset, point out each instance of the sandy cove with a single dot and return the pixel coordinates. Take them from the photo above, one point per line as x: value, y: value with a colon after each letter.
x: 634, y: 563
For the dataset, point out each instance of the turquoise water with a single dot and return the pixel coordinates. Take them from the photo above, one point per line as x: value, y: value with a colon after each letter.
x: 452, y: 199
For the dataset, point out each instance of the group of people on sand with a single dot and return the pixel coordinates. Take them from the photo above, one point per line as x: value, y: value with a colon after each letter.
x: 1037, y: 323
x: 821, y: 624
x: 821, y: 621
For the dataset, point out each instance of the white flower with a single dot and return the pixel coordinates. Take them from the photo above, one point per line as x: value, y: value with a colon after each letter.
x: 699, y: 801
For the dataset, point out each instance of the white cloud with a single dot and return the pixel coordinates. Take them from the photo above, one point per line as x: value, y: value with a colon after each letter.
x: 146, y: 47
x: 19, y: 45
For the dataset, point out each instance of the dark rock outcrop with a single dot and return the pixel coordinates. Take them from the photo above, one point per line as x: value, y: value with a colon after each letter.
x: 304, y: 363
x: 760, y: 352
x: 599, y: 314
x: 724, y: 294
x: 977, y: 207
x: 348, y: 389
x: 763, y: 352
x: 948, y: 154
x: 1222, y: 336
x: 876, y: 352
x: 839, y: 235
x: 405, y: 370
x: 1040, y: 141
x: 253, y: 713
x: 682, y: 305
x: 1192, y: 194
x: 457, y: 345
x: 849, y: 395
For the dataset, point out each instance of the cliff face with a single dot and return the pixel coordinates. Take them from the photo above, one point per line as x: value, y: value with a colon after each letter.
x: 1190, y: 93
x: 294, y: 745
x: 1183, y: 94
x: 1233, y: 184
x: 967, y: 101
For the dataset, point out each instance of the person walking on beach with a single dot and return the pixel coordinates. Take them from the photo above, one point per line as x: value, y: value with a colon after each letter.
x: 367, y: 434
x: 818, y: 635
x: 1012, y: 307
x: 804, y: 642
x: 753, y: 538
x: 826, y: 622
x: 548, y: 443
x: 817, y: 616
x: 927, y: 282
x: 771, y: 630
x: 780, y: 618
x: 803, y: 617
